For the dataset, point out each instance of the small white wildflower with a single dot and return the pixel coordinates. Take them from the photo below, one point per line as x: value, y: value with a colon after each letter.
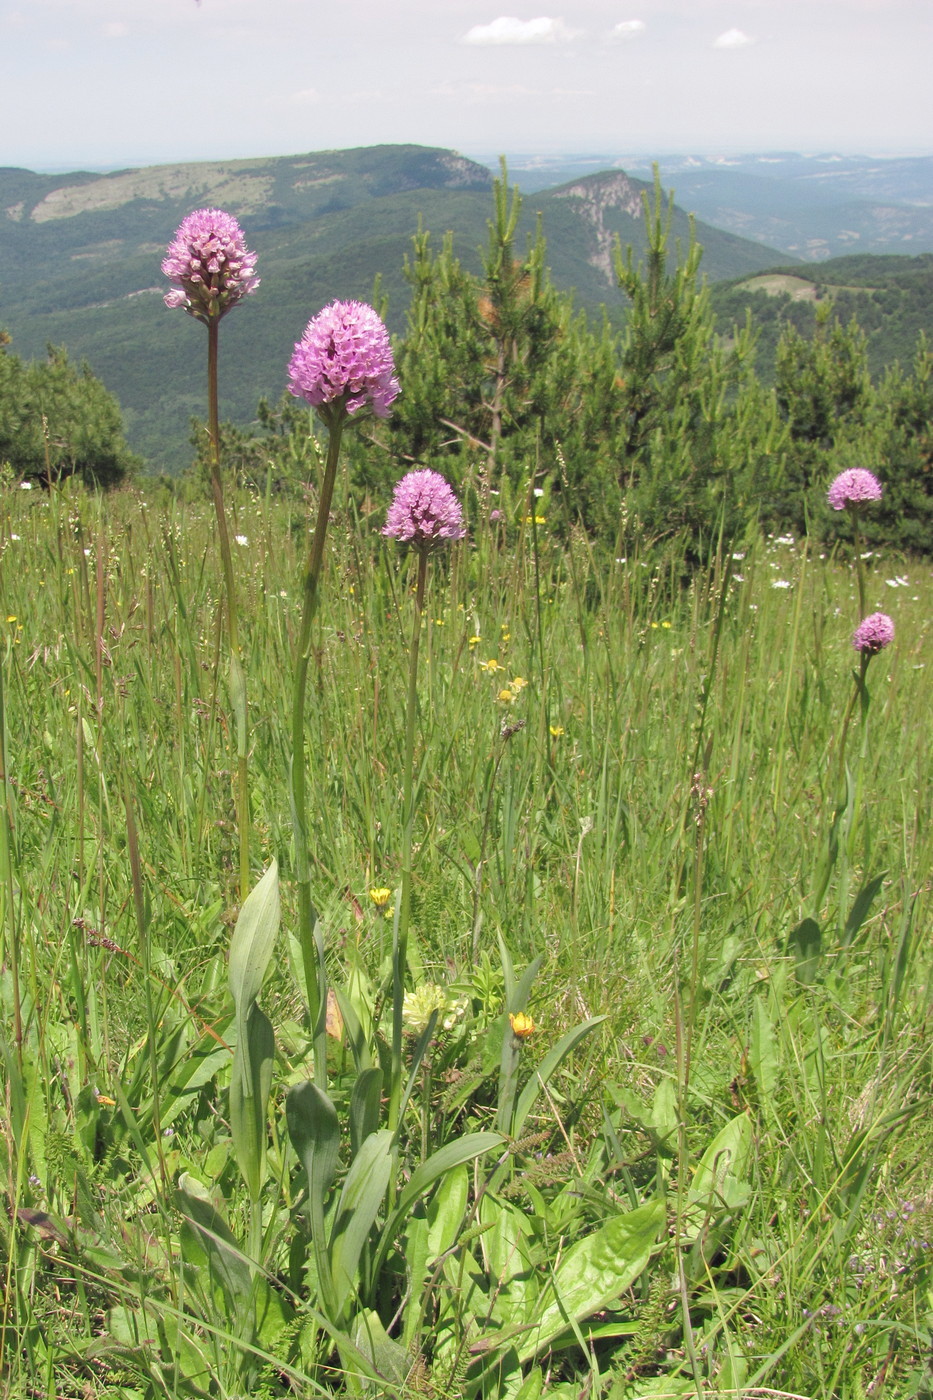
x: 779, y: 583
x: 87, y: 554
x: 869, y: 554
x: 738, y: 578
x: 25, y: 485
x: 898, y: 581
x: 784, y: 539
x: 241, y: 539
x: 539, y: 491
x: 623, y: 560
x: 14, y: 537
x: 739, y: 555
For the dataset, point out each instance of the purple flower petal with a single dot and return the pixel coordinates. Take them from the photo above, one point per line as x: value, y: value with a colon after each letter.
x: 424, y: 511
x: 852, y: 487
x: 209, y: 265
x: 873, y: 634
x: 345, y: 355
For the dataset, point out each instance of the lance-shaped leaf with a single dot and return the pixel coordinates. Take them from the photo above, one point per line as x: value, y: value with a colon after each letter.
x: 252, y: 1065
x: 548, y: 1066
x: 315, y: 1134
x: 593, y: 1274
x: 250, y: 951
x: 363, y: 1193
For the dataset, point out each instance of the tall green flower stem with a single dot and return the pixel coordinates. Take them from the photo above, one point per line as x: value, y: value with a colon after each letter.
x: 237, y: 675
x: 403, y: 909
x: 334, y: 416
x: 850, y: 795
x: 859, y: 561
x: 11, y: 951
x: 860, y: 694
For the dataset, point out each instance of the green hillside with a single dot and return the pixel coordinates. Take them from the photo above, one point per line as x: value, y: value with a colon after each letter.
x: 80, y: 255
x: 890, y: 296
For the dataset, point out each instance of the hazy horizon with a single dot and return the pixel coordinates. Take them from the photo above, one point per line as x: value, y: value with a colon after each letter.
x: 519, y: 157
x: 111, y: 84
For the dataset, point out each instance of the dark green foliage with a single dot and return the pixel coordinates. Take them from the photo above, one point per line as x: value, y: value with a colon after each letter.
x: 891, y: 297
x: 698, y: 441
x: 503, y: 379
x: 58, y: 420
x: 823, y: 392
x: 837, y: 418
x: 898, y: 446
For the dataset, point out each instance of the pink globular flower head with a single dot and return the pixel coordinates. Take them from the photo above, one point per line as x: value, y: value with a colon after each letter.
x: 853, y: 487
x: 424, y: 511
x: 344, y: 359
x: 873, y: 634
x: 209, y: 265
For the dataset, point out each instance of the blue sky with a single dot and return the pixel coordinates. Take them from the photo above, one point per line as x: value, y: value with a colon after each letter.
x: 101, y: 83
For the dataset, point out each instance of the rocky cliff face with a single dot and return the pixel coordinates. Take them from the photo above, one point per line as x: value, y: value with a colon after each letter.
x: 597, y: 194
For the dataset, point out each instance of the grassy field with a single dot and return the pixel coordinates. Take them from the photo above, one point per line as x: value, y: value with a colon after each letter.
x: 798, y: 288
x: 664, y: 1127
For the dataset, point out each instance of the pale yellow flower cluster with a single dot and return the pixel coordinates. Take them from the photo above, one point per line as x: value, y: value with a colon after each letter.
x: 420, y: 1005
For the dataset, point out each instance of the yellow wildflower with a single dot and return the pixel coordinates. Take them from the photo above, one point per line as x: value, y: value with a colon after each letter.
x: 665, y: 624
x: 380, y: 896
x: 506, y: 696
x: 491, y: 665
x: 536, y: 519
x: 522, y: 1025
x: 556, y: 730
x: 474, y: 642
x: 518, y: 683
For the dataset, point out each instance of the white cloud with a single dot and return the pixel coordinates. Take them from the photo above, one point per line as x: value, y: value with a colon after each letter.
x: 508, y: 30
x: 305, y: 97
x: 628, y: 29
x: 733, y: 39
x: 115, y: 30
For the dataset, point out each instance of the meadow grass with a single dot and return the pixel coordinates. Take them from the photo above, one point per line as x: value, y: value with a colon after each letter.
x: 661, y: 812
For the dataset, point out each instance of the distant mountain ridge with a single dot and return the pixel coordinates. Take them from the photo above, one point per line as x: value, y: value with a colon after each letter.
x: 811, y: 206
x: 298, y: 185
x: 80, y: 261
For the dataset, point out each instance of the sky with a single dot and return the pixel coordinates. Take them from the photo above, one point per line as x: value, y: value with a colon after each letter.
x: 98, y: 84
